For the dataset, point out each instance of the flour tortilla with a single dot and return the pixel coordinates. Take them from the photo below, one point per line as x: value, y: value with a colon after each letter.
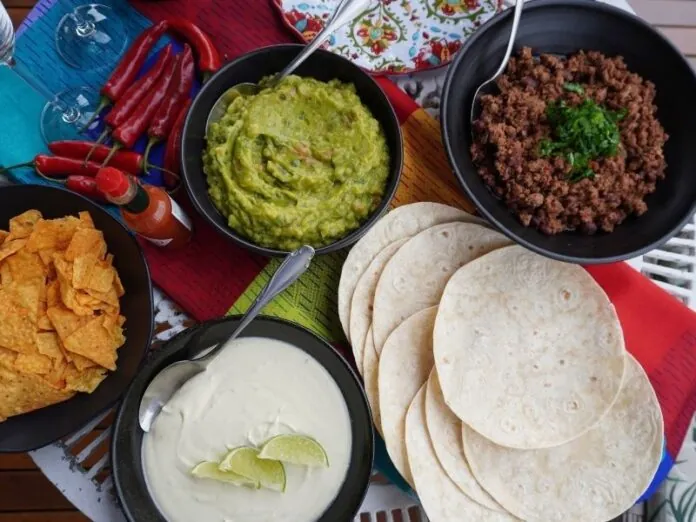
x: 529, y: 351
x: 404, y: 366
x: 416, y: 275
x: 370, y: 378
x: 445, y: 431
x: 364, y: 295
x: 597, y: 476
x: 402, y: 222
x: 441, y: 499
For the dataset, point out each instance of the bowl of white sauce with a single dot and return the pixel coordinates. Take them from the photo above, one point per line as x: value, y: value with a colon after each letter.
x: 279, y: 413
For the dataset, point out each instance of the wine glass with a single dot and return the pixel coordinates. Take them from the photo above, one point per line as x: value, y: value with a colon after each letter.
x: 66, y: 114
x: 90, y: 37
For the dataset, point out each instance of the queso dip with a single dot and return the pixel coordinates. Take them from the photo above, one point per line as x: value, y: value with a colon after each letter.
x: 254, y: 389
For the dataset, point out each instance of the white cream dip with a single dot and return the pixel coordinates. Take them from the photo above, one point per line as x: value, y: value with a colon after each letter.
x: 254, y: 389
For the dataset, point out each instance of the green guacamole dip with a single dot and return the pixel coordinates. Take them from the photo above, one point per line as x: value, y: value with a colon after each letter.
x: 303, y: 162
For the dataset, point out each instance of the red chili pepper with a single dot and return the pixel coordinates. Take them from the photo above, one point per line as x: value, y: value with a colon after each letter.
x: 56, y: 166
x: 86, y: 186
x: 129, y: 101
x: 178, y: 92
x: 132, y: 61
x: 172, y: 160
x: 126, y: 160
x: 208, y: 56
x: 127, y: 69
x: 128, y: 132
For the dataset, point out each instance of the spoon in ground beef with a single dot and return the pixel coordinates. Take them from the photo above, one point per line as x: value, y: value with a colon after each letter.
x: 542, y: 190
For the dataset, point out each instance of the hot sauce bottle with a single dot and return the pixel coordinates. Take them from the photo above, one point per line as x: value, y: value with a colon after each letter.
x: 147, y: 210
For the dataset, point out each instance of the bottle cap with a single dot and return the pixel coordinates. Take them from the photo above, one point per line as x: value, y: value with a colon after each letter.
x: 112, y: 182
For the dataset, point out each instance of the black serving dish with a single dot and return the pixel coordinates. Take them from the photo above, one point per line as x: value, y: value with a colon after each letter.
x: 41, y: 427
x: 127, y: 437
x: 565, y: 27
x: 252, y: 67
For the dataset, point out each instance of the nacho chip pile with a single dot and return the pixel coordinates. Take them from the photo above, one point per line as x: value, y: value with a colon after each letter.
x: 60, y: 321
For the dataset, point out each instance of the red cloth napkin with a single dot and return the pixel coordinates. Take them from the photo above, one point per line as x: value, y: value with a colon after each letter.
x: 208, y: 276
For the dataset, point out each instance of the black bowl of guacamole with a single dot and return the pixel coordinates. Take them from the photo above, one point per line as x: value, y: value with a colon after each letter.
x: 315, y: 159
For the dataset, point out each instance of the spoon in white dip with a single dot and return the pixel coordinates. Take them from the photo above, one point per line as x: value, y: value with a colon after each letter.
x: 174, y: 376
x: 346, y: 11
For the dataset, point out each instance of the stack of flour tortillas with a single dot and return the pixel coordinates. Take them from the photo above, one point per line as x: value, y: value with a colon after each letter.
x: 498, y: 378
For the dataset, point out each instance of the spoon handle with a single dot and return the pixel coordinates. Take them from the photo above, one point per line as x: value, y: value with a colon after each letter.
x: 519, y: 5
x: 290, y: 270
x: 346, y: 11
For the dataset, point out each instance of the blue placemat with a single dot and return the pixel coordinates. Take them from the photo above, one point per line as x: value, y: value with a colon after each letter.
x: 20, y: 137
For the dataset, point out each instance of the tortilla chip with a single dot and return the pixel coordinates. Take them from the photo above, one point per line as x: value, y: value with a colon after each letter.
x: 9, y: 248
x: 56, y: 377
x: 69, y: 297
x: 22, y: 226
x: 110, y: 297
x: 5, y: 274
x: 33, y: 363
x: 22, y: 393
x: 25, y: 265
x: 84, y: 381
x: 3, y: 235
x: 82, y: 363
x: 65, y: 321
x: 94, y: 341
x: 53, y: 293
x: 7, y: 358
x: 17, y: 330
x: 113, y: 324
x: 27, y: 294
x: 48, y: 344
x: 86, y: 241
x: 64, y: 268
x: 82, y: 270
x: 86, y: 219
x: 118, y: 286
x: 101, y: 278
x: 53, y: 234
x: 46, y: 256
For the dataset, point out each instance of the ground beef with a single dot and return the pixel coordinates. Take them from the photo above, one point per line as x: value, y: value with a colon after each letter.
x: 513, y: 123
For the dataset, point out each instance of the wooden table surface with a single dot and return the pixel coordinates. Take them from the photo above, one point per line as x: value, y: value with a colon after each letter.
x: 27, y: 496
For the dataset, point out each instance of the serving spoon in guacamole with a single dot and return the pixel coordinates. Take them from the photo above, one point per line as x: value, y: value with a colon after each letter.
x: 346, y: 11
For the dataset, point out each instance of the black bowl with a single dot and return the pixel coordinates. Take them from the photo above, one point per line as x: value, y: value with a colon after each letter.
x: 252, y: 67
x: 41, y: 427
x: 127, y: 437
x: 565, y: 27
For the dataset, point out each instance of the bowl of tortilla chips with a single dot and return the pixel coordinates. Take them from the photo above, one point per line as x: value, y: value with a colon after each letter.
x: 76, y: 313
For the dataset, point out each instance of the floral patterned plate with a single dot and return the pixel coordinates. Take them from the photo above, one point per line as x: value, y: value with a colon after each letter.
x: 394, y: 36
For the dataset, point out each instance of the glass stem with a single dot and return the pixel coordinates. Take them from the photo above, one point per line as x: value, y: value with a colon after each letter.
x: 69, y: 113
x: 83, y: 27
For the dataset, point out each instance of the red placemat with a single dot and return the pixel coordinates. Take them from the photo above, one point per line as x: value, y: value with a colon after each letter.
x: 212, y: 274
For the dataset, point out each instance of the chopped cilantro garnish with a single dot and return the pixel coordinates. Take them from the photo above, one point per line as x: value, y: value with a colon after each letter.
x: 581, y: 134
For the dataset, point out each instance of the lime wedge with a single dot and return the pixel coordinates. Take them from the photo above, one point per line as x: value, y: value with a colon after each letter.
x: 295, y: 449
x: 244, y: 461
x: 210, y: 470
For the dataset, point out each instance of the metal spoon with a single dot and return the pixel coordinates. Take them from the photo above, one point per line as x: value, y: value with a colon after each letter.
x: 346, y: 11
x: 174, y: 376
x: 519, y: 5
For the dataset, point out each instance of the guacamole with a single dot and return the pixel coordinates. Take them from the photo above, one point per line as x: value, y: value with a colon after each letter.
x: 302, y: 162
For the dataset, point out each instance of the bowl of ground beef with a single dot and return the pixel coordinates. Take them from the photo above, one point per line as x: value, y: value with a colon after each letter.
x: 583, y: 151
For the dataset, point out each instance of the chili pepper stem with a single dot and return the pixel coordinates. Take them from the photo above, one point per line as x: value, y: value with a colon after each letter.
x: 116, y: 147
x: 104, y: 102
x: 146, y: 155
x: 99, y: 141
x: 54, y: 180
x: 17, y: 166
x: 147, y: 166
